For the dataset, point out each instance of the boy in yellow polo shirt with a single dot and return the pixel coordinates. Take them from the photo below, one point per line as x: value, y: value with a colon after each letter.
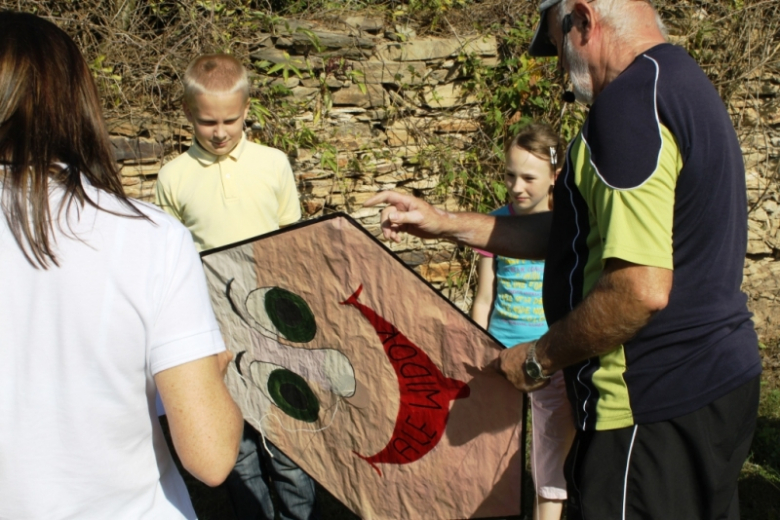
x: 226, y: 189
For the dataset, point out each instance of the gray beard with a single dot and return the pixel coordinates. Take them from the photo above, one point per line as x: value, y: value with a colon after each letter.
x: 579, y: 74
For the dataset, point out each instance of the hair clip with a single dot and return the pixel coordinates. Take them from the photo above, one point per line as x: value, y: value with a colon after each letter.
x: 553, y: 157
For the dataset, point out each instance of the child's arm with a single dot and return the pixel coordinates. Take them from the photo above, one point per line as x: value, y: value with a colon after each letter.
x: 486, y: 290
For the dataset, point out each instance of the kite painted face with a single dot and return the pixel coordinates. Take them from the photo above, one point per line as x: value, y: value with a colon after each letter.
x: 365, y: 376
x: 282, y: 372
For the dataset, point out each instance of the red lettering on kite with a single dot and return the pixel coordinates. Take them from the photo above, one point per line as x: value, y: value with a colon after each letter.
x: 425, y: 394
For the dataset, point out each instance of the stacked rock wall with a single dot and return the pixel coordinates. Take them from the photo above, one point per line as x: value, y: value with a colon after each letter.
x: 380, y: 96
x: 756, y: 114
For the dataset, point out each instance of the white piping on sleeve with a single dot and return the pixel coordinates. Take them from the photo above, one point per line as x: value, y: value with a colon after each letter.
x: 660, y: 136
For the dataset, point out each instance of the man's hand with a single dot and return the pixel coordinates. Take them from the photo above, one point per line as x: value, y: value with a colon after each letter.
x: 516, y: 237
x: 408, y: 214
x: 511, y: 363
x: 624, y: 299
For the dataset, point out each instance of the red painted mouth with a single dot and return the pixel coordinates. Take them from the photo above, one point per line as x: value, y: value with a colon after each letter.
x: 425, y: 394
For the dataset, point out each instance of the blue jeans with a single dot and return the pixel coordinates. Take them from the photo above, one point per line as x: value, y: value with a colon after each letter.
x: 255, y: 470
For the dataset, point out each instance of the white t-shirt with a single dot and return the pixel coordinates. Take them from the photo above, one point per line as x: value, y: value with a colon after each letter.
x: 79, y: 345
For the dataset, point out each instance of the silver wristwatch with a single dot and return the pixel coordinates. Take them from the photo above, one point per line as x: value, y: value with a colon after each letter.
x: 533, y: 368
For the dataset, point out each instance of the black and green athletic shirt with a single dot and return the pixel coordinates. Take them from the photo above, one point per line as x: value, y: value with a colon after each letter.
x: 656, y: 178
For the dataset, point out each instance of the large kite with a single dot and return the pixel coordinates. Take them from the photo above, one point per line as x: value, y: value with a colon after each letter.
x: 364, y: 375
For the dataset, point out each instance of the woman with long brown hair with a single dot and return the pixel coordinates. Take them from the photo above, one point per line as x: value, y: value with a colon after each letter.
x: 102, y: 303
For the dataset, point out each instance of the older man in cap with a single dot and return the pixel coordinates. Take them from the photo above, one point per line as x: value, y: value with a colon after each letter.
x: 644, y: 253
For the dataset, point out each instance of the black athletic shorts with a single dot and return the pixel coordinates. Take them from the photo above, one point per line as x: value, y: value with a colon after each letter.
x: 682, y: 469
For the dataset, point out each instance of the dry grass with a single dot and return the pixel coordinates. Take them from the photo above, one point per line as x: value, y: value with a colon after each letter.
x: 138, y: 49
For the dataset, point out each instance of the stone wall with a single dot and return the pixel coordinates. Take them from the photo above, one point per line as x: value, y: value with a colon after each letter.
x: 756, y: 114
x: 377, y: 94
x: 380, y: 95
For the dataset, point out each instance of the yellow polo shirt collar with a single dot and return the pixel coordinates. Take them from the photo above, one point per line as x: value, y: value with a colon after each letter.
x: 207, y: 158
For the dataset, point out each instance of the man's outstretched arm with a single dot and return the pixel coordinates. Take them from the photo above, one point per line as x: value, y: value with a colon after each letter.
x: 515, y: 237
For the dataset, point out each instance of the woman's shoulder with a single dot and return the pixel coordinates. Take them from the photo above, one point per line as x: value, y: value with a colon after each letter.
x: 144, y: 217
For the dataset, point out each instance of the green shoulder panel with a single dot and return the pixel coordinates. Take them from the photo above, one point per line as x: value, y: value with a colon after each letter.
x: 634, y: 225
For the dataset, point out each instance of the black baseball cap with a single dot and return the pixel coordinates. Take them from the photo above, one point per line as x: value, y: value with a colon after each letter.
x: 541, y: 44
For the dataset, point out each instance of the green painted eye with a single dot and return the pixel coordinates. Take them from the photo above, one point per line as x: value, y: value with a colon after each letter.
x: 281, y: 312
x: 293, y: 396
x: 290, y: 314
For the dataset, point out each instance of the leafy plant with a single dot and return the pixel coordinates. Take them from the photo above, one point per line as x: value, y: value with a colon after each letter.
x: 766, y: 448
x: 519, y: 89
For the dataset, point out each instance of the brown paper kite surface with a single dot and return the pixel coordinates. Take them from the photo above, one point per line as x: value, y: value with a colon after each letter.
x: 365, y: 376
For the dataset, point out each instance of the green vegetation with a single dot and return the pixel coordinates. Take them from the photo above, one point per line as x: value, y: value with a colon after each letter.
x: 137, y: 50
x: 759, y: 484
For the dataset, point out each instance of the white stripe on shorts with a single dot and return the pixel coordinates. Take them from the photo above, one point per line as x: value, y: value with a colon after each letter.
x: 628, y: 463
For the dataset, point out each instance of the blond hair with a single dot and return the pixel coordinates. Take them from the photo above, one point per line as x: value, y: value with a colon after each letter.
x: 215, y: 73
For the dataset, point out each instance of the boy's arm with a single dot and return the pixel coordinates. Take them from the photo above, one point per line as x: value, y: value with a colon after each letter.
x: 486, y: 293
x: 289, y: 203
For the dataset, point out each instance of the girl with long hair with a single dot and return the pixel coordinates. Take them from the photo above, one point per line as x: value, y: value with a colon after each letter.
x: 508, y: 302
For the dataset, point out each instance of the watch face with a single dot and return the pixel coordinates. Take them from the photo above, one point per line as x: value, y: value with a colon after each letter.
x: 534, y: 370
